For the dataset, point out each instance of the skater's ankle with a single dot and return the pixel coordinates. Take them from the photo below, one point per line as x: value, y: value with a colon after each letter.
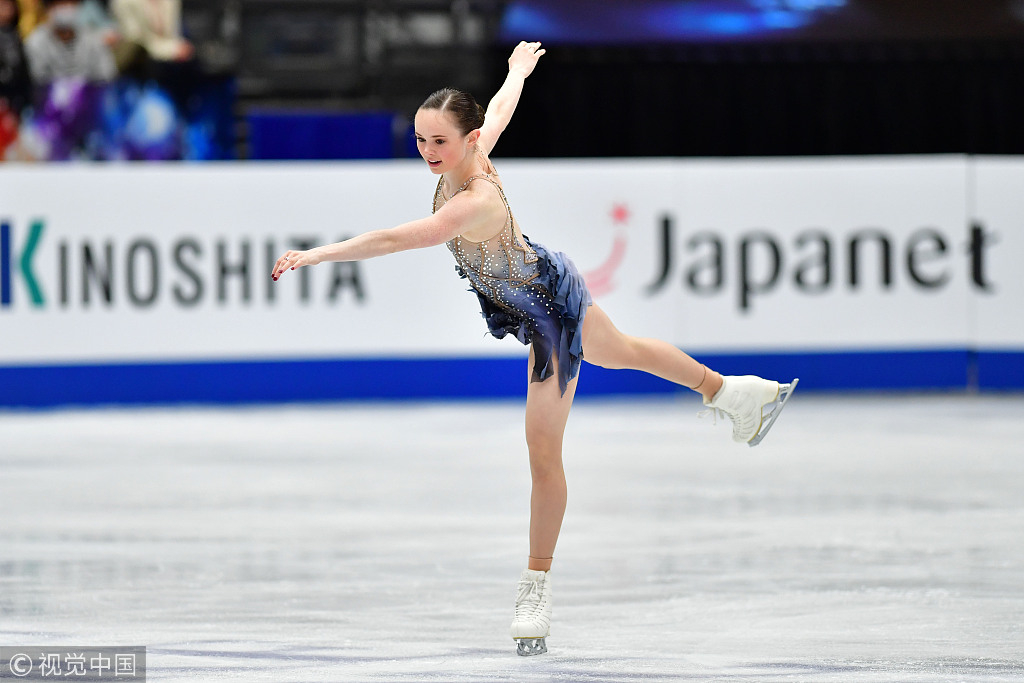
x: 539, y: 564
x: 711, y: 386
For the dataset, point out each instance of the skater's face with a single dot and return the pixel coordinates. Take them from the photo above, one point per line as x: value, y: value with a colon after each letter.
x: 440, y: 142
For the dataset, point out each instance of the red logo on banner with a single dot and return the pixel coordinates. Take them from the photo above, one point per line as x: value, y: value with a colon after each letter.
x: 600, y: 280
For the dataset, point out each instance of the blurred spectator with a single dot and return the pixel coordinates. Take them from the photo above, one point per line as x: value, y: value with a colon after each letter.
x: 61, y: 47
x: 15, y: 84
x: 75, y: 107
x: 96, y: 18
x: 31, y: 16
x: 150, y: 32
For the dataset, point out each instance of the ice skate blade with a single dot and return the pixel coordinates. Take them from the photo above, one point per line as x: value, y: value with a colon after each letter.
x: 527, y: 647
x: 774, y: 408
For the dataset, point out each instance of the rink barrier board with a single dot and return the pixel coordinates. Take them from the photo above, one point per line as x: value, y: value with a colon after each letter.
x: 1000, y: 370
x: 377, y: 379
x: 157, y: 292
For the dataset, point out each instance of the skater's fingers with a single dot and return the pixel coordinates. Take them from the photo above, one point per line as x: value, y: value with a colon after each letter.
x: 283, y: 264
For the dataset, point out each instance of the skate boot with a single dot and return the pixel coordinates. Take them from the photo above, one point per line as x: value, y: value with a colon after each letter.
x: 532, y: 621
x: 753, y: 404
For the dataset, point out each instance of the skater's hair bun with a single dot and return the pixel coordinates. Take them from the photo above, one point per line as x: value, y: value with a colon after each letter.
x: 464, y: 110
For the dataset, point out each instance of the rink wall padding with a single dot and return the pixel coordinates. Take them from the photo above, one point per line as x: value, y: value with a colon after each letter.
x: 389, y: 379
x: 123, y: 284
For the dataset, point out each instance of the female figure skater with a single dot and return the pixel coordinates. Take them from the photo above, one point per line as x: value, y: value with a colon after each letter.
x: 538, y: 296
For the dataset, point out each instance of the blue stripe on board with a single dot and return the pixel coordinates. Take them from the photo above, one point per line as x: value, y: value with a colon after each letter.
x: 1000, y: 370
x: 856, y: 370
x: 232, y: 382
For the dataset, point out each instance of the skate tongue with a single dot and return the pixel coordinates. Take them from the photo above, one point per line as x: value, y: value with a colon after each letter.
x: 529, y: 584
x: 528, y: 589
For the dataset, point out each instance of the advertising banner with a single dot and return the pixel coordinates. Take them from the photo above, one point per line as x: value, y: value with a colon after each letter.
x: 997, y: 224
x: 116, y: 265
x: 170, y: 263
x: 768, y: 255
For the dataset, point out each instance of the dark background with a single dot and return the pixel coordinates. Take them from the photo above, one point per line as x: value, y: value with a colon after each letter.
x: 639, y: 77
x: 885, y: 97
x: 771, y: 77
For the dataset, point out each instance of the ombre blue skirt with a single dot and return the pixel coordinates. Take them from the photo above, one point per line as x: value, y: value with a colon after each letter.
x: 547, y: 312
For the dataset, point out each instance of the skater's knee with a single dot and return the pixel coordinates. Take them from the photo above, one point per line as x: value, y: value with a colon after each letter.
x: 545, y: 474
x: 546, y: 463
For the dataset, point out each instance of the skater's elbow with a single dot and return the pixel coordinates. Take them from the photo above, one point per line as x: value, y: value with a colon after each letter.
x: 426, y: 232
x: 390, y: 242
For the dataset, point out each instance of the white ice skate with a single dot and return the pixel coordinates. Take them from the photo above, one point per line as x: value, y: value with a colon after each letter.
x: 753, y: 404
x: 532, y: 621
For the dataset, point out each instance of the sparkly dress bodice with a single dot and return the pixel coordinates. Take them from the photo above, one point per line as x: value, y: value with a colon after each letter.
x: 495, y: 265
x: 525, y: 290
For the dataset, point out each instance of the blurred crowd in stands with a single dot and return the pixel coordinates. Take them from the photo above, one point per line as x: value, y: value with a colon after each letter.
x: 106, y: 80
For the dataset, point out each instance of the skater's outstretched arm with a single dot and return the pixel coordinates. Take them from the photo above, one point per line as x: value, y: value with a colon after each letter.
x: 503, y: 104
x: 463, y: 213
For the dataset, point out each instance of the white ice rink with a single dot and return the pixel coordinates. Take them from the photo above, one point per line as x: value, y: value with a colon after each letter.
x: 867, y: 539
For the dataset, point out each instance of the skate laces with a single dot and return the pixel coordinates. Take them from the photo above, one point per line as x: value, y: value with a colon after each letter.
x: 744, y: 414
x: 528, y: 599
x: 713, y: 413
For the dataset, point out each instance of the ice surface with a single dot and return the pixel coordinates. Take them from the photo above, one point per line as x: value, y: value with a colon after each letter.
x: 867, y: 539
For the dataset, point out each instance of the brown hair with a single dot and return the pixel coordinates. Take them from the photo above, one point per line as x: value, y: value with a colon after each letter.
x: 464, y: 110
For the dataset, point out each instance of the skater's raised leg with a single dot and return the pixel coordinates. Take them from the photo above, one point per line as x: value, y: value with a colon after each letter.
x: 547, y: 410
x: 606, y: 346
x: 752, y: 403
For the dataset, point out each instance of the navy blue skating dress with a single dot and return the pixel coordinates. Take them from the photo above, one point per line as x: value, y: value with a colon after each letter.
x: 525, y: 290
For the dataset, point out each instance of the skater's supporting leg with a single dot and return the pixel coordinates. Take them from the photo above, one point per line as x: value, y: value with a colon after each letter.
x: 606, y: 346
x: 547, y: 411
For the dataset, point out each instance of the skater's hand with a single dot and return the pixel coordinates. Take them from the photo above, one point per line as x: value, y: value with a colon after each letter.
x: 293, y: 259
x: 524, y: 58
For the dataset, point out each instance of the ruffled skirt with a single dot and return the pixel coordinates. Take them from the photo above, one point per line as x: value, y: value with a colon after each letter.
x: 555, y: 328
